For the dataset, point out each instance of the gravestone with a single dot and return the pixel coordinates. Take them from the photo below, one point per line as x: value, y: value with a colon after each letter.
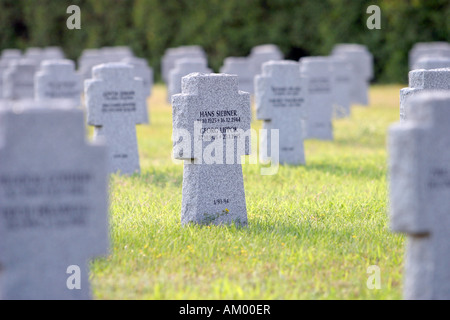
x: 145, y: 72
x: 281, y: 102
x: 261, y: 54
x: 211, y: 131
x: 115, y: 104
x: 432, y: 62
x: 11, y: 54
x: 18, y: 80
x: 362, y: 64
x: 171, y: 55
x: 422, y: 80
x: 89, y: 58
x: 423, y: 49
x: 318, y: 72
x: 419, y: 168
x: 53, y: 205
x: 241, y: 67
x: 341, y: 86
x: 182, y: 68
x: 57, y: 79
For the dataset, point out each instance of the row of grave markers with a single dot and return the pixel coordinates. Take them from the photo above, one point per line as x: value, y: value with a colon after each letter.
x: 64, y: 194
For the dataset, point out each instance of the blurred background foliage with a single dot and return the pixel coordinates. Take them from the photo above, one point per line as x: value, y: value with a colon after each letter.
x: 229, y: 27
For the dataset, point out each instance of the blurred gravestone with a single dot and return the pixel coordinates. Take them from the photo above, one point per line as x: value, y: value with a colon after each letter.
x: 261, y: 54
x: 57, y: 79
x: 281, y: 102
x: 53, y: 205
x: 241, y: 67
x: 428, y: 49
x: 115, y: 103
x: 419, y: 169
x: 182, y: 68
x: 341, y: 86
x: 145, y: 72
x: 18, y: 80
x: 317, y: 71
x: 211, y: 125
x: 171, y: 55
x: 432, y: 62
x: 422, y: 80
x: 362, y: 64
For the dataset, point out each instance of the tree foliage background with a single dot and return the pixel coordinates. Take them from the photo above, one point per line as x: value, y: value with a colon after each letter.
x: 229, y: 27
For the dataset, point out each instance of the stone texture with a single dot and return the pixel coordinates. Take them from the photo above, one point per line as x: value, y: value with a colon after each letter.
x: 422, y: 80
x: 53, y: 204
x: 317, y: 70
x: 419, y: 170
x: 57, y: 79
x: 281, y: 102
x: 208, y: 116
x: 432, y: 62
x: 115, y: 104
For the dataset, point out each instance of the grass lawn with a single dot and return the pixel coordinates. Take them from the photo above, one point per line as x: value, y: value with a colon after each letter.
x: 313, y: 230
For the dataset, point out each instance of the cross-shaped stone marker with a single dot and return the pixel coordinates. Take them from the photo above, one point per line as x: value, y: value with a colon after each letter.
x: 419, y: 170
x: 422, y: 80
x: 57, y: 79
x: 280, y: 99
x: 115, y: 103
x: 320, y: 97
x: 53, y: 204
x: 211, y: 131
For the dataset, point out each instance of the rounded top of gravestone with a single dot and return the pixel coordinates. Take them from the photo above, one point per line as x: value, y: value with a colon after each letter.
x: 58, y: 65
x: 430, y: 79
x: 432, y: 62
x: 315, y: 64
x: 349, y: 47
x: 280, y: 67
x: 197, y: 62
x: 11, y: 54
x: 263, y: 48
x: 112, y: 70
x: 235, y: 60
x: 430, y: 107
x: 22, y: 64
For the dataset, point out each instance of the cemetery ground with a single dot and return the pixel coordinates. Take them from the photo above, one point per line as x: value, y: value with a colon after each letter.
x: 313, y: 230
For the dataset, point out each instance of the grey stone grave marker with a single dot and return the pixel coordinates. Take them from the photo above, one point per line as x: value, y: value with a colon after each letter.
x: 18, y: 80
x: 341, y: 86
x: 423, y: 49
x: 115, y: 104
x: 432, y: 62
x: 173, y: 54
x: 422, y: 80
x: 53, y: 205
x: 419, y: 168
x: 211, y: 131
x: 182, y: 68
x: 317, y: 70
x: 281, y: 102
x: 57, y: 79
x: 241, y: 67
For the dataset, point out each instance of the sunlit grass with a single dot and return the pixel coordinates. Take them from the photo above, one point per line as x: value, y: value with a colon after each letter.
x: 313, y: 230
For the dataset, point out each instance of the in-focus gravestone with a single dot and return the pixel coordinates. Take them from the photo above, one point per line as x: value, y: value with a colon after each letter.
x: 57, y: 79
x: 115, y: 104
x: 422, y: 80
x: 211, y: 131
x: 18, y: 80
x: 419, y: 169
x: 53, y: 205
x: 281, y: 102
x: 318, y: 72
x: 182, y: 68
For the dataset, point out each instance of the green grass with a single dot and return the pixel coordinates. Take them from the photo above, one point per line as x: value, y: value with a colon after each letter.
x: 313, y: 230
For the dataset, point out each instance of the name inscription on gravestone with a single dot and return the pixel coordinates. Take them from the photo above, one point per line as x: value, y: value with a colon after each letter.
x: 282, y: 96
x: 62, y: 89
x: 37, y: 186
x: 121, y: 101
